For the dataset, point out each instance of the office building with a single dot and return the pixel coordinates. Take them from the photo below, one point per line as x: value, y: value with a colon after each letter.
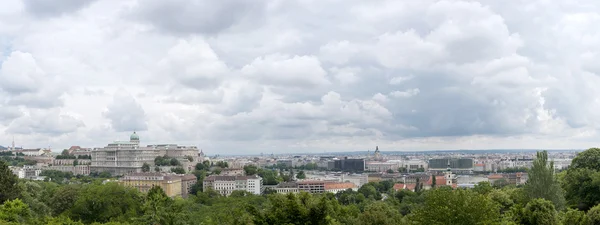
x: 351, y: 165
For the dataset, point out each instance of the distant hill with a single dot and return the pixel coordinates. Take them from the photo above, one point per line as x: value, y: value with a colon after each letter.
x: 3, y: 148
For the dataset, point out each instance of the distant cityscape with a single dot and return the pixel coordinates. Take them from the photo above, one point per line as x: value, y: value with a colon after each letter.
x: 172, y: 167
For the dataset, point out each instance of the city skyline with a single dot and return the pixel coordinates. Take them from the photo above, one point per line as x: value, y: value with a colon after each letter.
x: 234, y: 77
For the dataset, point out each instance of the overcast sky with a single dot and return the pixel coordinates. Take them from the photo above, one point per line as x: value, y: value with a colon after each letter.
x: 251, y: 76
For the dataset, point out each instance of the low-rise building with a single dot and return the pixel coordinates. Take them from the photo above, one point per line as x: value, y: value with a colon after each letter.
x: 227, y: 184
x: 170, y: 183
x: 76, y: 170
x: 232, y: 172
x: 287, y: 187
x: 26, y: 172
x: 337, y: 187
x: 187, y: 182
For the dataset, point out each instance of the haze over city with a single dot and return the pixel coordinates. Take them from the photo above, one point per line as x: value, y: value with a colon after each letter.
x: 251, y: 77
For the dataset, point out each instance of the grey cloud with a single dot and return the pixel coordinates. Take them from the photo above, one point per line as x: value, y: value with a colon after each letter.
x: 199, y: 16
x: 50, y: 8
x: 125, y: 113
x: 50, y: 122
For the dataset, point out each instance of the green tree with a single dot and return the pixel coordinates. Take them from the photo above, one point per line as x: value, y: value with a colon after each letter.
x: 538, y: 212
x: 461, y: 206
x: 146, y: 168
x: 500, y: 183
x: 106, y: 202
x: 574, y: 217
x: 15, y: 211
x: 178, y: 170
x: 380, y: 213
x: 433, y: 181
x: 64, y: 198
x: 589, y: 159
x: 594, y: 215
x: 483, y: 188
x: 174, y: 162
x: 301, y: 175
x: 156, y: 169
x: 250, y: 170
x: 369, y: 191
x: 156, y: 207
x: 222, y: 164
x: 582, y: 180
x: 542, y: 183
x: 200, y: 166
x: 8, y: 184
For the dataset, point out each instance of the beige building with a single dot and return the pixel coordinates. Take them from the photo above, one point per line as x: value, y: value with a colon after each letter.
x: 123, y: 157
x: 187, y: 182
x: 232, y: 172
x: 170, y: 183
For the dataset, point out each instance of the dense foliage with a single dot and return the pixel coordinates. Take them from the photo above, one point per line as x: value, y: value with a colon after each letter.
x: 73, y: 200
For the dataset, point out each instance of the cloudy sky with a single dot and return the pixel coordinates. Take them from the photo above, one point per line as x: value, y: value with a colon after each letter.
x: 239, y: 76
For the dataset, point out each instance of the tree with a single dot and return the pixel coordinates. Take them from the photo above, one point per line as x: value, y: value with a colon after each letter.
x: 483, y: 188
x: 461, y: 206
x: 200, y: 166
x: 222, y: 164
x: 156, y: 169
x: 369, y: 191
x: 15, y: 211
x: 9, y: 189
x: 146, y: 168
x: 589, y: 159
x: 594, y: 215
x: 542, y: 183
x: 156, y: 207
x: 537, y: 212
x: 390, y: 171
x: 380, y: 213
x: 174, y: 162
x: 433, y: 181
x: 107, y: 202
x: 582, y: 180
x: 64, y: 198
x: 65, y: 152
x: 250, y: 170
x: 500, y: 183
x: 574, y: 217
x: 301, y: 175
x: 178, y: 170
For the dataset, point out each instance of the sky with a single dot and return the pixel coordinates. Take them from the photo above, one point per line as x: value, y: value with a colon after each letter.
x: 283, y: 76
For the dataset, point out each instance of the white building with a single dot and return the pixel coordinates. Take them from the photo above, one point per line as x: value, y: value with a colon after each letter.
x: 28, y: 172
x: 123, y: 157
x: 225, y: 185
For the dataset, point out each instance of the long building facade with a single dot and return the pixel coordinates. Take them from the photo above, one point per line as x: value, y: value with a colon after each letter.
x: 227, y: 184
x: 124, y: 157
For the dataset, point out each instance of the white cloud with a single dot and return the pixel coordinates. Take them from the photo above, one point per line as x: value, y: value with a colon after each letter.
x: 232, y: 76
x: 296, y: 71
x: 125, y: 113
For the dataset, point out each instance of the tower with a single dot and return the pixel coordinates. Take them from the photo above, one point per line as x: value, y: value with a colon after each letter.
x: 377, y: 154
x: 134, y: 138
x: 448, y: 175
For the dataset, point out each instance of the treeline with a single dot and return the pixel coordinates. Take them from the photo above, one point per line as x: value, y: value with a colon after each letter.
x: 570, y: 197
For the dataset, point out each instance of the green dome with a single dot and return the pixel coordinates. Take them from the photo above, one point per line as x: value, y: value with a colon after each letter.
x: 134, y: 137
